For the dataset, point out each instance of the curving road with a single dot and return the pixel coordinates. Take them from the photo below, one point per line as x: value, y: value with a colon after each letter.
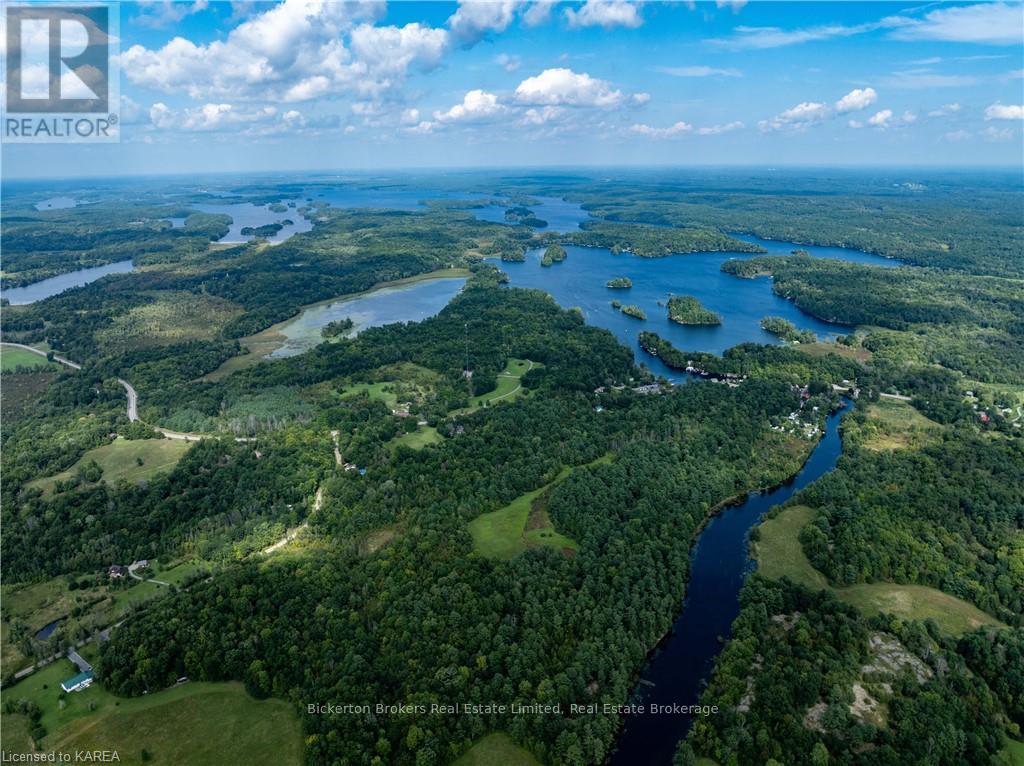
x: 133, y: 396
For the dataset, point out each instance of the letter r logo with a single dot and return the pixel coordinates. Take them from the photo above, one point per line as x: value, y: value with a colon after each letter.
x: 58, y: 59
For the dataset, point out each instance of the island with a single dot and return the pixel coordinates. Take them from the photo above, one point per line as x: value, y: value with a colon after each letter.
x: 524, y: 216
x: 685, y: 309
x: 786, y: 330
x: 337, y: 327
x: 619, y: 283
x: 634, y: 311
x: 554, y: 254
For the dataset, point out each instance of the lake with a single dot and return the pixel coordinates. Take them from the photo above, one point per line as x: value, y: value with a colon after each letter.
x: 245, y: 214
x: 57, y: 203
x: 719, y: 562
x: 20, y: 296
x: 412, y: 302
x: 579, y: 281
x: 561, y: 215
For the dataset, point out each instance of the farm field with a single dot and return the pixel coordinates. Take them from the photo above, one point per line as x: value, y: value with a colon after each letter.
x: 779, y: 554
x: 120, y: 460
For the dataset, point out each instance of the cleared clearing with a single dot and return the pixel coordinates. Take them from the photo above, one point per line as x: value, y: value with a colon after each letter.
x: 779, y: 554
x: 120, y: 460
x: 522, y: 524
x: 495, y: 749
x: 12, y: 357
x: 894, y: 424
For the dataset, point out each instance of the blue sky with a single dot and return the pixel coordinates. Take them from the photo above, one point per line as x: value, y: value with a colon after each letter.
x: 217, y: 86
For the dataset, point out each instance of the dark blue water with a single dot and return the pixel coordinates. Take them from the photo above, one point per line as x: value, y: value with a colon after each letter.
x: 777, y: 247
x: 560, y: 214
x: 719, y: 564
x: 19, y: 296
x: 247, y: 214
x: 579, y: 282
x: 47, y: 630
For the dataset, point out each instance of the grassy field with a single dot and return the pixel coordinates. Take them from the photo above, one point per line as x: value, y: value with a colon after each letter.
x: 417, y: 439
x: 894, y: 424
x: 171, y: 317
x: 119, y: 460
x: 917, y: 602
x: 522, y: 524
x: 508, y: 383
x: 496, y: 749
x: 11, y: 358
x: 779, y: 554
x: 223, y: 724
x: 1013, y: 753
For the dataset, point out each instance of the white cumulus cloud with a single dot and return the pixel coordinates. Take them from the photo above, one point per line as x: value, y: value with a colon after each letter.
x: 475, y: 19
x: 564, y: 87
x: 880, y: 119
x: 605, y: 13
x: 945, y: 110
x: 1004, y: 112
x: 477, y: 106
x: 855, y: 100
x: 797, y: 118
x: 293, y: 52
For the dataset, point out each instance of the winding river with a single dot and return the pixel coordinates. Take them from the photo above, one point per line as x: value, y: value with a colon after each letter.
x: 718, y: 565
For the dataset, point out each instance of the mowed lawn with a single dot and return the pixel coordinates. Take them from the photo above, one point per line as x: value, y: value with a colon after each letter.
x: 120, y: 460
x: 417, y: 439
x: 496, y: 749
x: 779, y: 554
x: 509, y: 385
x: 195, y: 723
x: 11, y: 358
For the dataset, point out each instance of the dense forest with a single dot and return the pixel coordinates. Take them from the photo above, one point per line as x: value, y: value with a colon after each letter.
x: 806, y: 679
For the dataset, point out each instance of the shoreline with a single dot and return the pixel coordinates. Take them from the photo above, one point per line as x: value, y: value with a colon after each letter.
x: 269, y: 340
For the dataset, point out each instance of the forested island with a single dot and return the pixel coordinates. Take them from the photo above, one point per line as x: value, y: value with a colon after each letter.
x: 685, y: 309
x: 633, y: 311
x: 786, y: 330
x: 337, y: 327
x: 553, y: 254
x: 619, y: 283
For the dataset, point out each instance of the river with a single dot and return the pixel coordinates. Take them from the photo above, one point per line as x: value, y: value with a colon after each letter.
x: 719, y: 564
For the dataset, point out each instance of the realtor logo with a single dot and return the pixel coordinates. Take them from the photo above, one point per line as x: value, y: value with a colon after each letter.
x: 60, y: 82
